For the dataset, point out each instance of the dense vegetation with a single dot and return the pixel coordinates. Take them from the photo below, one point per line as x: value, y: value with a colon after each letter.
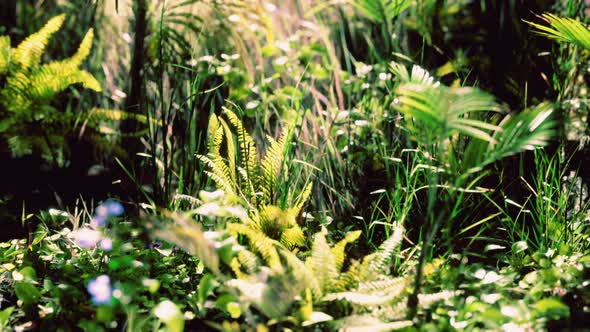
x: 294, y: 165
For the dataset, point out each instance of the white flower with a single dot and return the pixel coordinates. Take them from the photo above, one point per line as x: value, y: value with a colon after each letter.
x: 87, y: 238
x: 167, y: 311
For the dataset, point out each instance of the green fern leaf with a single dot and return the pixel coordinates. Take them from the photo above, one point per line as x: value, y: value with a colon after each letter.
x: 248, y: 152
x: 293, y: 237
x: 29, y: 52
x: 231, y: 151
x: 381, y: 11
x: 262, y: 244
x: 377, y: 264
x: 272, y: 163
x: 53, y: 78
x: 338, y: 249
x: 322, y: 262
x: 83, y: 50
x: 302, y: 198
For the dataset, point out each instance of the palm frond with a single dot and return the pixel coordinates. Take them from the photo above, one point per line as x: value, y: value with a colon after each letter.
x: 563, y: 29
x: 443, y: 110
x: 516, y: 133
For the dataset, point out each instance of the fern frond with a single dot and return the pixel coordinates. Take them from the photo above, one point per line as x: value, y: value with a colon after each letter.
x: 53, y: 78
x: 322, y: 262
x: 29, y: 52
x: 368, y: 323
x: 99, y: 114
x: 348, y: 280
x: 83, y: 50
x: 563, y: 29
x: 381, y: 11
x: 426, y: 300
x: 302, y: 274
x: 338, y: 249
x: 293, y: 237
x: 262, y: 244
x: 218, y: 173
x: 272, y: 163
x: 248, y: 152
x: 245, y: 263
x: 214, y: 135
x: 361, y: 299
x: 377, y: 263
x: 302, y: 198
x: 231, y: 151
x: 386, y: 286
x: 15, y: 95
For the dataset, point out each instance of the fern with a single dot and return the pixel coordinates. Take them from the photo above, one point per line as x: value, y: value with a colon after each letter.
x: 381, y: 11
x: 271, y: 164
x: 30, y: 87
x: 338, y: 249
x: 262, y: 244
x: 322, y: 262
x: 377, y: 263
x: 29, y: 52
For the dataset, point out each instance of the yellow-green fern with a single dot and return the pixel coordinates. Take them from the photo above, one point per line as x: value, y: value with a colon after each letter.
x: 27, y: 119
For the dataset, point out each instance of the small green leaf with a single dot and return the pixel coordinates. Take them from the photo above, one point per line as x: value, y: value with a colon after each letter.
x: 553, y: 308
x: 27, y: 293
x: 5, y: 316
x: 206, y: 286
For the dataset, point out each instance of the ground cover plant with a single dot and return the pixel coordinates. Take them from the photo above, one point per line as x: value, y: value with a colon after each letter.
x: 300, y: 165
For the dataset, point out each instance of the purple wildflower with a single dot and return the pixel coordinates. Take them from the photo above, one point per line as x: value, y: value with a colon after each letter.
x: 106, y: 244
x: 87, y: 238
x: 100, y: 290
x: 98, y: 221
x: 155, y: 244
x: 114, y: 208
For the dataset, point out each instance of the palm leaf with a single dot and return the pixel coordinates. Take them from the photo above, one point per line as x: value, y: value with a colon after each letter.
x: 443, y: 110
x: 563, y: 29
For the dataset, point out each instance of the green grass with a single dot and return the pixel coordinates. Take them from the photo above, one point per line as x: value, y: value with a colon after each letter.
x: 312, y: 166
